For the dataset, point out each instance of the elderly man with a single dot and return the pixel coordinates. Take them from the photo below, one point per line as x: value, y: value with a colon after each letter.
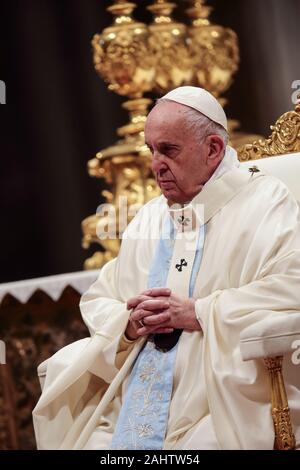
x: 217, y: 252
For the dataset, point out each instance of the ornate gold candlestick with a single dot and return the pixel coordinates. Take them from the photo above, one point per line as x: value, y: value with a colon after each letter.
x: 121, y: 54
x: 121, y: 58
x: 167, y: 45
x: 213, y: 50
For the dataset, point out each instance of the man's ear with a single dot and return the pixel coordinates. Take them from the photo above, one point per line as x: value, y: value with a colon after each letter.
x: 216, y: 149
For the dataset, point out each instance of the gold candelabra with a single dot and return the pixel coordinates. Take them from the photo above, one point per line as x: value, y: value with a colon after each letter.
x: 134, y: 58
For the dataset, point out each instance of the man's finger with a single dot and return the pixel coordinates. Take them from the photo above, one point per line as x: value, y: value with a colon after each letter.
x: 164, y: 330
x: 140, y: 314
x: 146, y: 330
x: 157, y: 291
x: 134, y: 301
x: 154, y: 305
x: 156, y: 319
x: 148, y: 295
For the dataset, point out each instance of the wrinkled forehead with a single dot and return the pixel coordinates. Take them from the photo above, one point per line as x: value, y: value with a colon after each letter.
x: 167, y: 109
x: 166, y: 116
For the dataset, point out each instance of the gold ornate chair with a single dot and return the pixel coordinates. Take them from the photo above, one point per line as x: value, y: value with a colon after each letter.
x: 275, y: 342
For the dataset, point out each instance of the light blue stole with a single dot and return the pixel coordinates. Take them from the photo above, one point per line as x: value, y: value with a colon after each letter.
x: 143, y: 418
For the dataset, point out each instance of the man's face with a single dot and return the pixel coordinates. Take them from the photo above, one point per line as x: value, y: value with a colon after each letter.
x: 181, y: 163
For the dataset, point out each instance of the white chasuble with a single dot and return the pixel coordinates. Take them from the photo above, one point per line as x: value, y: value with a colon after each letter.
x: 249, y: 271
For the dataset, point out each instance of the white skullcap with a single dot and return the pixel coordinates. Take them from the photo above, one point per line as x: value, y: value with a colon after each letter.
x: 201, y: 100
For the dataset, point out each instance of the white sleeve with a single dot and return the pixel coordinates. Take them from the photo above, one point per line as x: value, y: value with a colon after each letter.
x: 102, y: 300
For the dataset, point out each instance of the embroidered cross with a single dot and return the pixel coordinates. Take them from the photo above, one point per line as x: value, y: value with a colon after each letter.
x: 183, y: 220
x: 253, y: 170
x: 181, y: 265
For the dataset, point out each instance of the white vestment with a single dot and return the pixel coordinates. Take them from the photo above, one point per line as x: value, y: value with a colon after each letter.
x: 249, y: 271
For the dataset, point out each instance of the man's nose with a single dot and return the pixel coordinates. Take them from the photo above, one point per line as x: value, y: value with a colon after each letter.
x: 158, y: 164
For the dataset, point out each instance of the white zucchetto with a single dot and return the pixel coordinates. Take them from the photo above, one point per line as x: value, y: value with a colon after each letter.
x: 200, y: 100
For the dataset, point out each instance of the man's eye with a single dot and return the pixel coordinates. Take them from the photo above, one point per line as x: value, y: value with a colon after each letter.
x: 168, y: 150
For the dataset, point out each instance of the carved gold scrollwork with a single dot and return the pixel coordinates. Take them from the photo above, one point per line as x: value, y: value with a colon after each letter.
x: 285, y: 138
x: 284, y: 436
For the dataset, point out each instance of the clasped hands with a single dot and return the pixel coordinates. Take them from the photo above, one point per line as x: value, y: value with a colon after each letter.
x: 158, y: 310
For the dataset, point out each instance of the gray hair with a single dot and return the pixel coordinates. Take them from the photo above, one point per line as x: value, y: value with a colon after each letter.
x: 201, y: 124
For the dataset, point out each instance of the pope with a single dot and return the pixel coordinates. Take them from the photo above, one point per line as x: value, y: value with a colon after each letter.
x: 217, y: 252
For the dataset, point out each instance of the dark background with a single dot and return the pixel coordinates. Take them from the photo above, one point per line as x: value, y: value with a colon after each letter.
x: 59, y: 114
